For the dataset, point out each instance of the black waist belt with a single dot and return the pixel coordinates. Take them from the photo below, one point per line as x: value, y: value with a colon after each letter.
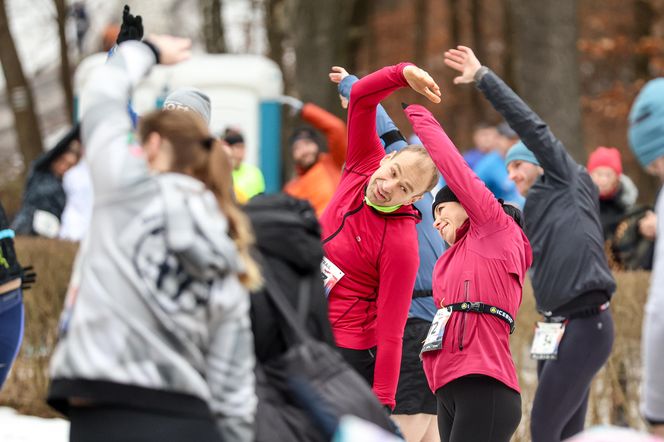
x: 480, y: 307
x: 584, y: 313
x: 422, y: 293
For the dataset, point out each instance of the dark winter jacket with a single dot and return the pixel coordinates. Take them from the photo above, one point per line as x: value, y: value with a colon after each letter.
x: 561, y: 210
x: 614, y: 209
x: 43, y: 189
x: 288, y: 239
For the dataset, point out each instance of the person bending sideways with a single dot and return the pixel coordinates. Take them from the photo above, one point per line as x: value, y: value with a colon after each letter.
x: 369, y: 236
x: 570, y: 273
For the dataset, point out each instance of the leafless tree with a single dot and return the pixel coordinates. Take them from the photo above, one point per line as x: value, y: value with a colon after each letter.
x: 546, y: 67
x: 65, y: 67
x: 19, y: 93
x: 213, y: 26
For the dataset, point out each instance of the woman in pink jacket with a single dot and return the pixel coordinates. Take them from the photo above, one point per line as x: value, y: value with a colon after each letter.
x: 477, y: 285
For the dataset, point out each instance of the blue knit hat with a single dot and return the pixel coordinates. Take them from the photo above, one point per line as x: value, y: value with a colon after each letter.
x: 521, y: 153
x: 646, y: 123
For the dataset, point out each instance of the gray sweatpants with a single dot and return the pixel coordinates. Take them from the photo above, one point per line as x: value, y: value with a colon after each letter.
x: 561, y: 399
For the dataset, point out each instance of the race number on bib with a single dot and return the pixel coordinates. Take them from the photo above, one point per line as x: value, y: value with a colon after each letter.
x: 331, y: 274
x: 434, y: 339
x: 547, y: 338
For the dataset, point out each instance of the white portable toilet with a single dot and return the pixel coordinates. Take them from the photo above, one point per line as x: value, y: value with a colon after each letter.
x: 242, y: 88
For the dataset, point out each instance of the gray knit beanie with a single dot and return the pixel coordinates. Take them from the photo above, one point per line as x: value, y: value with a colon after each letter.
x: 189, y: 98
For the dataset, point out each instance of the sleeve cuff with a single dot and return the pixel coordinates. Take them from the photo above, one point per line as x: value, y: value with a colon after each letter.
x: 481, y: 72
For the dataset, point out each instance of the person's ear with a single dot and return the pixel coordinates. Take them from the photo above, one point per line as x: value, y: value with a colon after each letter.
x: 387, y: 157
x: 151, y: 146
x: 540, y: 170
x: 415, y: 199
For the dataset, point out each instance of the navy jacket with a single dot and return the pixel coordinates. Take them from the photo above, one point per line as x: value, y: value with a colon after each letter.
x: 561, y: 210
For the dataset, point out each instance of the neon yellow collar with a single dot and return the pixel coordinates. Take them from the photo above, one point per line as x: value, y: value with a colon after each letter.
x: 383, y: 209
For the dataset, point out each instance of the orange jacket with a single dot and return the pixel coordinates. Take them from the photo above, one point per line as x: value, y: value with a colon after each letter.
x: 317, y: 185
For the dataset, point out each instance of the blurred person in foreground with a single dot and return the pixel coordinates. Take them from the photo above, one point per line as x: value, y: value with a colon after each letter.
x: 155, y: 338
x: 646, y: 138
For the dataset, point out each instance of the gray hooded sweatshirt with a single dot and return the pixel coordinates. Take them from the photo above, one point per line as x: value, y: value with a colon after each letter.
x: 155, y: 315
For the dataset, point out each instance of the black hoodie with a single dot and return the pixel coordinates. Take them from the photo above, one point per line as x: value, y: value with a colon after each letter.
x: 288, y: 239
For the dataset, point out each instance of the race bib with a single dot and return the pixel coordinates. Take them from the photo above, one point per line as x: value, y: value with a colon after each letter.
x: 434, y: 339
x: 547, y: 338
x: 45, y: 224
x: 331, y: 274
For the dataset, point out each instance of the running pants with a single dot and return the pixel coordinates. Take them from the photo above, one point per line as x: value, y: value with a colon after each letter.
x: 477, y: 408
x: 121, y: 424
x: 11, y: 330
x: 561, y: 399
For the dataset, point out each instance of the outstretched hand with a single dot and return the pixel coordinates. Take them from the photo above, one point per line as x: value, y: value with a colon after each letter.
x: 171, y: 49
x: 131, y: 28
x: 338, y: 74
x: 464, y: 61
x: 420, y: 81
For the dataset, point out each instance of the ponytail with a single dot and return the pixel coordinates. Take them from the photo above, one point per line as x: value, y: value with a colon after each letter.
x: 513, y: 212
x: 220, y: 182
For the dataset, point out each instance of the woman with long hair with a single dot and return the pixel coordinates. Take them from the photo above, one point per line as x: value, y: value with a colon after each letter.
x: 155, y: 337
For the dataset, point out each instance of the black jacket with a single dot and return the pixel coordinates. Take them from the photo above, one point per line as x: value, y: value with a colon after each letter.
x: 561, y: 210
x: 288, y: 239
x: 43, y: 190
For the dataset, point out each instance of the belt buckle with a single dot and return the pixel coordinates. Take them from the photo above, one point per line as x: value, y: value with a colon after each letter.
x: 475, y: 306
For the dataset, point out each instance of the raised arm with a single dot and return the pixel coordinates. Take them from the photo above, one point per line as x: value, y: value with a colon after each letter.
x: 558, y: 165
x: 364, y: 147
x: 106, y: 126
x: 387, y: 131
x: 474, y: 196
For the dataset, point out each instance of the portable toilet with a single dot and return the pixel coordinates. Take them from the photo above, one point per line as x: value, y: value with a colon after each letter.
x: 243, y: 91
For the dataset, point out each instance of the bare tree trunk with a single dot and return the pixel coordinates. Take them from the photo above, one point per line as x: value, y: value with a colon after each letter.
x: 213, y: 26
x: 19, y: 94
x: 324, y: 32
x: 546, y: 66
x: 65, y: 67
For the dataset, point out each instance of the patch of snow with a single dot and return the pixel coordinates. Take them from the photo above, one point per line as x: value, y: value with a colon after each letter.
x: 16, y: 427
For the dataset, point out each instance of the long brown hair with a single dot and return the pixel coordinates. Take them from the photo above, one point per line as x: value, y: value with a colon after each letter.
x: 198, y: 154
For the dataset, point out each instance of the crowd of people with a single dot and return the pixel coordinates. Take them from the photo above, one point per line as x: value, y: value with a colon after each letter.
x: 194, y: 294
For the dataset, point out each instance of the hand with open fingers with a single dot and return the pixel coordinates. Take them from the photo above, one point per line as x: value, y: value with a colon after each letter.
x: 338, y: 74
x: 463, y: 60
x: 172, y: 50
x: 131, y: 28
x: 420, y: 81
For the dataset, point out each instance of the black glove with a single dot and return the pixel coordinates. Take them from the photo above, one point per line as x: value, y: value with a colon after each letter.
x: 132, y: 27
x: 28, y: 277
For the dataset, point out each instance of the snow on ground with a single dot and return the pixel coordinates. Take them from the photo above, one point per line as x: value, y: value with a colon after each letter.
x: 15, y: 427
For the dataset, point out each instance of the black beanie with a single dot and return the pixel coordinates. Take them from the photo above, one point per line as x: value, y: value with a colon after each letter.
x: 444, y: 195
x: 305, y: 133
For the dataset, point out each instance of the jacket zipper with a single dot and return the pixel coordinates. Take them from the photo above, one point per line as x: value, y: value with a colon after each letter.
x: 465, y: 314
x: 343, y: 221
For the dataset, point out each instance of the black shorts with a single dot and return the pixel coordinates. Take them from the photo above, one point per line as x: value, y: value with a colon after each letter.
x: 413, y: 393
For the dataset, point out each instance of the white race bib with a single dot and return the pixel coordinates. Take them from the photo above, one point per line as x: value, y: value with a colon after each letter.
x: 331, y: 274
x: 434, y: 339
x: 547, y: 338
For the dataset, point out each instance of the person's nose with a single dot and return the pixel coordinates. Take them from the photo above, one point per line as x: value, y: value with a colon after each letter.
x: 512, y: 175
x: 389, y: 185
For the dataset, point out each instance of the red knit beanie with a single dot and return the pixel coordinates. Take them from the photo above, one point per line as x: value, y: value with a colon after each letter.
x: 607, y: 157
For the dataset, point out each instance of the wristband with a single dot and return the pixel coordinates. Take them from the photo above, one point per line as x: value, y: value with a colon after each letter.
x: 153, y: 48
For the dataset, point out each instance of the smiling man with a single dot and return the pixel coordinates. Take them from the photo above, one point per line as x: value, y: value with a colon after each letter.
x: 369, y: 234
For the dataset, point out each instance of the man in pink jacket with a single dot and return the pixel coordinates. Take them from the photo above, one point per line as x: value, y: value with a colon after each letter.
x: 369, y: 234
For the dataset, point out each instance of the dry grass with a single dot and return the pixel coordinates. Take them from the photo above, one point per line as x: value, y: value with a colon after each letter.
x: 614, y: 397
x: 615, y: 392
x: 26, y: 387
